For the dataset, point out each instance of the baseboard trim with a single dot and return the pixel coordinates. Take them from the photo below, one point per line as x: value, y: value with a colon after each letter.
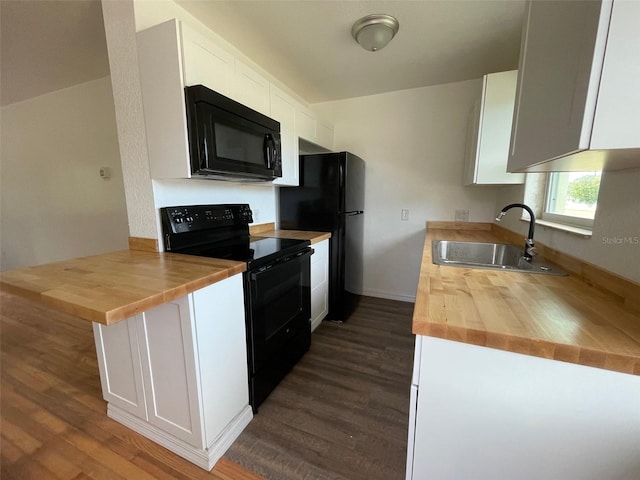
x: 203, y: 458
x: 316, y: 322
x: 389, y: 296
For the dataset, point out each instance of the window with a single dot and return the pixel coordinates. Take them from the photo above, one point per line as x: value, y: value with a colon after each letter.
x: 571, y: 198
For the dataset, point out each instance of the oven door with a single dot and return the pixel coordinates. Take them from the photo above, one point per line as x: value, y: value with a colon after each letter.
x: 278, y: 320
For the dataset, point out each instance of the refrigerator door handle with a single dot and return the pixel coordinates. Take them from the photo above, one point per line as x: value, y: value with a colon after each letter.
x: 354, y: 212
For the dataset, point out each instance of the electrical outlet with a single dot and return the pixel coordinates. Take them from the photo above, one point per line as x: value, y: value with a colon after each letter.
x: 404, y: 215
x: 462, y: 215
x: 256, y: 215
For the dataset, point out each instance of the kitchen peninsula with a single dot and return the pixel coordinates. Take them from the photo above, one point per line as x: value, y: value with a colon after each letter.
x: 170, y: 338
x: 521, y: 375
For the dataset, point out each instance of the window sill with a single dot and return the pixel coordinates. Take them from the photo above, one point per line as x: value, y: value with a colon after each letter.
x: 579, y: 231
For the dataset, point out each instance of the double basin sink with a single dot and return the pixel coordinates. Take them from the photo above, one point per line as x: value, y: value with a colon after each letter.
x: 495, y: 256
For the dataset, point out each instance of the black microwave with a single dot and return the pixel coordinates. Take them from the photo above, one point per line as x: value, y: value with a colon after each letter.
x: 230, y: 141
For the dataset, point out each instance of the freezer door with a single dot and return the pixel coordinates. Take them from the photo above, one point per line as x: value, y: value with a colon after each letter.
x: 354, y: 183
x: 354, y: 222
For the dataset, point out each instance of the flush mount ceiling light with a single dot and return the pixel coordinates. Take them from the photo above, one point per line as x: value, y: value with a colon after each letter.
x: 373, y: 32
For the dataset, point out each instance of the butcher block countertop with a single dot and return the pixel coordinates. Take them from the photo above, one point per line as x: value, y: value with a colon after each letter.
x: 269, y: 230
x: 554, y: 317
x: 115, y: 286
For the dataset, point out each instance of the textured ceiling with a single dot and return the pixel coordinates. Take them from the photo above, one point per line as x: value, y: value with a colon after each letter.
x: 52, y: 44
x: 308, y: 44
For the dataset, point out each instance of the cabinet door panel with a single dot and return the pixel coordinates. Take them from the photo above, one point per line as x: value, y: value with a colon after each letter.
x: 495, y: 129
x: 306, y: 124
x: 617, y: 122
x: 319, y: 283
x: 220, y: 329
x: 205, y: 63
x: 324, y: 134
x: 554, y: 81
x: 161, y: 79
x: 513, y: 416
x: 283, y: 109
x: 168, y: 362
x: 119, y: 364
x: 251, y: 88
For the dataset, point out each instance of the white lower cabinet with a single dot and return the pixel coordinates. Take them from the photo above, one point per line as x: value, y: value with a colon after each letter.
x: 120, y: 369
x: 168, y: 356
x: 488, y: 414
x: 177, y: 373
x: 319, y: 283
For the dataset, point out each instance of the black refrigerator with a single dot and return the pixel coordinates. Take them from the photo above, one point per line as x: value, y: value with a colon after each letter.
x: 330, y: 198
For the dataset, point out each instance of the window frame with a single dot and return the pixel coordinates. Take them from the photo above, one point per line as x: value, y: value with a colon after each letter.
x: 572, y: 221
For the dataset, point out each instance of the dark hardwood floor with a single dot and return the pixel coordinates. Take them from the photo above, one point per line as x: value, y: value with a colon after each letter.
x: 53, y: 420
x: 343, y: 411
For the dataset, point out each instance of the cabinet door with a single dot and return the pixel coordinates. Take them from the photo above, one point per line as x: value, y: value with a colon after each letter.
x: 283, y: 109
x: 306, y: 124
x: 319, y: 283
x: 617, y: 122
x: 558, y: 75
x: 493, y: 117
x: 513, y: 416
x: 251, y: 88
x: 324, y: 134
x: 169, y: 370
x: 220, y: 329
x: 205, y: 63
x: 471, y: 147
x: 119, y: 365
x: 161, y: 78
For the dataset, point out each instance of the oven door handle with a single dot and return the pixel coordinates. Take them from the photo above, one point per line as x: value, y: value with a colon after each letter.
x: 296, y: 256
x: 281, y: 261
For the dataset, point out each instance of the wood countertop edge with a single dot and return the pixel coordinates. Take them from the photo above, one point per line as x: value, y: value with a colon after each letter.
x: 115, y: 315
x: 538, y: 347
x: 269, y: 230
x: 535, y: 347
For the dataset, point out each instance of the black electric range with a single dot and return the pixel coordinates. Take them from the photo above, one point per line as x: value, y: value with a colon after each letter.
x: 255, y: 251
x: 277, y: 286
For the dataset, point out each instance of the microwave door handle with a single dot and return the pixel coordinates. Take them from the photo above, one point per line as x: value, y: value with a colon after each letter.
x: 204, y: 158
x: 269, y: 150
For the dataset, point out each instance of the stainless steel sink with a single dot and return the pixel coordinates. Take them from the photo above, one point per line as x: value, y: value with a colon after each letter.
x: 498, y: 256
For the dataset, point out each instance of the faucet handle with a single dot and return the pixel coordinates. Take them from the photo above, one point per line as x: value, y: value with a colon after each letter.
x: 531, y: 250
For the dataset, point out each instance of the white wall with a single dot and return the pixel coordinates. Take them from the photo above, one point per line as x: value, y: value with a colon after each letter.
x: 413, y: 144
x: 54, y: 204
x: 615, y: 244
x: 120, y: 33
x: 261, y: 198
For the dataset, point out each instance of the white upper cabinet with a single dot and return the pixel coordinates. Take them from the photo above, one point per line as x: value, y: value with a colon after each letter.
x: 171, y: 56
x: 161, y: 78
x: 251, y: 88
x: 205, y: 63
x: 283, y: 109
x: 324, y: 134
x: 577, y: 99
x: 310, y: 128
x: 489, y: 132
x: 306, y: 124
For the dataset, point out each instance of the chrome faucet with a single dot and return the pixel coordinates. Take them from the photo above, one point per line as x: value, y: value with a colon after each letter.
x: 529, y: 247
